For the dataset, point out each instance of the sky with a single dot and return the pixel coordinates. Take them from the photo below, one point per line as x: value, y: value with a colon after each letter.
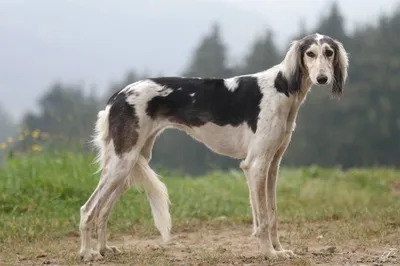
x: 95, y: 42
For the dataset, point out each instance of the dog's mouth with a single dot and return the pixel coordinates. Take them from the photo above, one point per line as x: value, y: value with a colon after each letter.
x: 323, y: 85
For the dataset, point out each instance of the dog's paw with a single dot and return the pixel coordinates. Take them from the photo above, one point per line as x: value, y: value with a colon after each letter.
x: 90, y: 255
x: 271, y: 253
x: 109, y: 250
x: 286, y: 253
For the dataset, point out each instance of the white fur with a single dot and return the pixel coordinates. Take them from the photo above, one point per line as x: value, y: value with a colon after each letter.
x: 220, y: 139
x: 101, y: 133
x: 262, y: 152
x: 157, y: 194
x: 231, y: 83
x: 319, y: 37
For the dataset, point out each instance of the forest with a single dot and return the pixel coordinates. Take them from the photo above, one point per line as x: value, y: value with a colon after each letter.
x: 361, y: 129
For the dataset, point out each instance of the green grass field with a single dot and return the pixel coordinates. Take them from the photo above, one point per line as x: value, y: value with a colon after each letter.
x: 40, y: 197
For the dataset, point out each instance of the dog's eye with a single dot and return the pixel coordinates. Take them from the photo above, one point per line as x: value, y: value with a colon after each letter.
x: 310, y: 54
x: 329, y: 53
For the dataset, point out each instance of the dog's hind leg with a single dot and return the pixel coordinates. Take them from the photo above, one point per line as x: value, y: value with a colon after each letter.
x: 157, y: 194
x: 156, y: 191
x: 111, y: 186
x: 103, y: 216
x: 121, y: 176
x: 87, y: 212
x: 117, y: 139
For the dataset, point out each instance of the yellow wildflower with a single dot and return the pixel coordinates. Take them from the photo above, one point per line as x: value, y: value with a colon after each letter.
x: 10, y: 139
x: 36, y: 148
x: 3, y: 146
x: 35, y: 133
x: 21, y: 137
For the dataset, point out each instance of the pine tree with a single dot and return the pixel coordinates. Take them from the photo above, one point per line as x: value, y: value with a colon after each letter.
x: 333, y: 24
x: 209, y: 58
x: 264, y: 54
x: 66, y: 114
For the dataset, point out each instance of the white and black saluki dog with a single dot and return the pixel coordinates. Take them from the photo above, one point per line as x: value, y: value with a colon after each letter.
x: 250, y: 117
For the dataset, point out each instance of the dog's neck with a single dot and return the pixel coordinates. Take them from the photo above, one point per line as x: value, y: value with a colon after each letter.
x: 290, y: 72
x: 306, y: 85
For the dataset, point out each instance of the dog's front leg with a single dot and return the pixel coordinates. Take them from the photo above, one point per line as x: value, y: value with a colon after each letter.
x: 256, y: 177
x: 256, y: 167
x: 271, y: 195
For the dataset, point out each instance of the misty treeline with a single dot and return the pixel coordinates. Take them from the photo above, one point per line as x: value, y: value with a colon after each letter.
x: 362, y: 129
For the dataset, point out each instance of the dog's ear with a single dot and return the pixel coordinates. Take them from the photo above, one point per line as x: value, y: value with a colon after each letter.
x: 340, y: 66
x: 294, y: 67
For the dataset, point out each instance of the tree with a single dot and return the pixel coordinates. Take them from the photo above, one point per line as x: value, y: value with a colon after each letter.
x: 209, y: 57
x: 264, y: 54
x: 67, y: 115
x: 333, y: 24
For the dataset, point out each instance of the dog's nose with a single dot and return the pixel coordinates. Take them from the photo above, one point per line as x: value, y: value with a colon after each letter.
x: 322, y: 79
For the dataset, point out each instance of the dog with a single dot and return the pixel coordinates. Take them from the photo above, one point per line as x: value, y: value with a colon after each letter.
x: 249, y: 117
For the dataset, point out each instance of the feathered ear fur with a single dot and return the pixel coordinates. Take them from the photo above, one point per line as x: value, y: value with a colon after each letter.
x: 340, y: 65
x: 294, y: 68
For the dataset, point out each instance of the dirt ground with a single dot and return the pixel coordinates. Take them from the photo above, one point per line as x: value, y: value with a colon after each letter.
x: 316, y: 244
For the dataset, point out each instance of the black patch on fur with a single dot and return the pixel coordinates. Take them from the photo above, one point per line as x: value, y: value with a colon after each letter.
x: 305, y: 43
x: 212, y: 101
x: 123, y: 123
x: 291, y: 85
x: 330, y: 42
x: 296, y: 79
x: 337, y: 85
x: 112, y: 98
x: 281, y: 84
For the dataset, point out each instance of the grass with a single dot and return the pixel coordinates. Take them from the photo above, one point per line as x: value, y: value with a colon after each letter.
x: 40, y: 197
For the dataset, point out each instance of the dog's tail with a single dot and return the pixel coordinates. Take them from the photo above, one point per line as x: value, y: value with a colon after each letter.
x: 101, y: 133
x: 156, y: 193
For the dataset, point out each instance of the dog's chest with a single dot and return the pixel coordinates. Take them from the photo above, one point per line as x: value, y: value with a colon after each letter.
x: 227, y: 140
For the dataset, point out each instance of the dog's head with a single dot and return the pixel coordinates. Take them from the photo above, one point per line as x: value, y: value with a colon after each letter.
x: 320, y: 59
